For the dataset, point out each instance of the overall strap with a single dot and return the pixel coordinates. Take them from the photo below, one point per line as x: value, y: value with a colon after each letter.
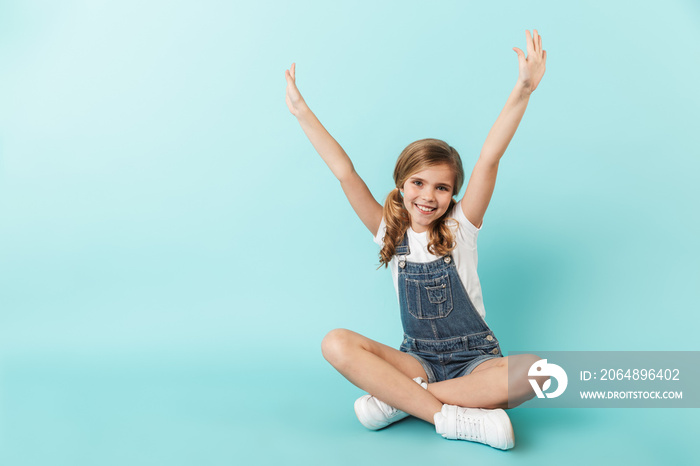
x: 403, y: 249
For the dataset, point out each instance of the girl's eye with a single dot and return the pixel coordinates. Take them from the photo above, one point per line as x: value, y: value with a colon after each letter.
x: 443, y: 188
x: 418, y: 183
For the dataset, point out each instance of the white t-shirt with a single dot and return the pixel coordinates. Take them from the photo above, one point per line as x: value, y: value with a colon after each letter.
x: 464, y: 254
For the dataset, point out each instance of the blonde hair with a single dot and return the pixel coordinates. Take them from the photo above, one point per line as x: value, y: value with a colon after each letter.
x: 416, y: 157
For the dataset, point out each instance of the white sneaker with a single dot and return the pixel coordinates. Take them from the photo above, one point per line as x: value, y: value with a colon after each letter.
x: 489, y: 426
x: 375, y: 414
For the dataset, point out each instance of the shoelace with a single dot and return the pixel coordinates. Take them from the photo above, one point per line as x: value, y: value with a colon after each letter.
x: 469, y: 428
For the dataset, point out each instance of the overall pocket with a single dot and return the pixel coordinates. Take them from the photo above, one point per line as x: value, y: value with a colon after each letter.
x: 429, y: 299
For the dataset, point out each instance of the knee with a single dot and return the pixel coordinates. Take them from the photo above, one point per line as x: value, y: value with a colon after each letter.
x: 336, y: 345
x: 528, y: 361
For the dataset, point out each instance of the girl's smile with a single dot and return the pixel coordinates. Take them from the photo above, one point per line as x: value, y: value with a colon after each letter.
x: 427, y: 195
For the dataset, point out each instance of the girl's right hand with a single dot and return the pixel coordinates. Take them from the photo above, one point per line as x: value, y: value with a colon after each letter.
x: 295, y: 101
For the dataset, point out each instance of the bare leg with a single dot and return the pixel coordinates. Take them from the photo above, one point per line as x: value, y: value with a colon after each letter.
x: 488, y: 384
x: 382, y: 371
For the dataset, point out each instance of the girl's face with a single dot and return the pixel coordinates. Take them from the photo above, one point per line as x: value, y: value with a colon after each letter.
x: 427, y: 195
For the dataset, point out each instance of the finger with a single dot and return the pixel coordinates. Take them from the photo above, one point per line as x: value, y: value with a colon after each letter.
x: 536, y: 41
x: 528, y: 42
x: 291, y: 80
x: 294, y: 70
x: 520, y: 53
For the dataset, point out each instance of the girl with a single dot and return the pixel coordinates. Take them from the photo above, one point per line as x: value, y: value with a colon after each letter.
x: 460, y: 378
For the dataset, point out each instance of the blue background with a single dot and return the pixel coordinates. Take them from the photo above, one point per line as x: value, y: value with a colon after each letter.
x: 173, y: 250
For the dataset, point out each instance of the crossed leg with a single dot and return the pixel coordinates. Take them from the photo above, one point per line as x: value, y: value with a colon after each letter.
x: 382, y: 371
x: 495, y: 383
x: 386, y: 373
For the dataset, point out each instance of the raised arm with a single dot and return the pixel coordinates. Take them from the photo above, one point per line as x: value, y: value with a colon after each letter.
x: 483, y: 179
x: 361, y: 199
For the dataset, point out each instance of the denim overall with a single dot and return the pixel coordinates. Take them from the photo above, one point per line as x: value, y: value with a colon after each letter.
x: 442, y: 329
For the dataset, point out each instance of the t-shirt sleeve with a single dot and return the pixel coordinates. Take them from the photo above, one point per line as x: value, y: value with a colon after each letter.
x: 379, y: 237
x: 466, y: 231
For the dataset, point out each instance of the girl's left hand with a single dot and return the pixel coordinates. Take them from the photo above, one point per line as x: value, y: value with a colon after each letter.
x: 295, y: 101
x: 532, y: 67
